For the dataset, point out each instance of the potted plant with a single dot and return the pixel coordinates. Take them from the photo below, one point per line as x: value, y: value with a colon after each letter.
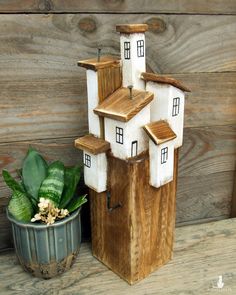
x: 44, y: 211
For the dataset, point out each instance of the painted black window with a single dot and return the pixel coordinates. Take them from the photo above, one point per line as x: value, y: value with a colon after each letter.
x: 134, y: 148
x: 127, y: 50
x: 140, y: 48
x: 119, y: 135
x: 176, y: 104
x: 87, y: 160
x: 164, y: 155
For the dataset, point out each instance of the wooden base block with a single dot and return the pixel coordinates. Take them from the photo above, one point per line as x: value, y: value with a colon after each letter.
x: 136, y: 238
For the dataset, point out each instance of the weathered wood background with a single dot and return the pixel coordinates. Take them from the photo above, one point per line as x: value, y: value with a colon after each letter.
x: 43, y: 92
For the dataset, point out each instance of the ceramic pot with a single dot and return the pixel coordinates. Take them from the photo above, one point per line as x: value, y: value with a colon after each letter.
x: 47, y: 250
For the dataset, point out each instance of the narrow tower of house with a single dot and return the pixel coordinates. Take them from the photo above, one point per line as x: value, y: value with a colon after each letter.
x: 132, y: 44
x: 103, y: 78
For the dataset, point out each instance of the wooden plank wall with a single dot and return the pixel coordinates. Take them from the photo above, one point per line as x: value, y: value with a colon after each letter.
x: 43, y: 92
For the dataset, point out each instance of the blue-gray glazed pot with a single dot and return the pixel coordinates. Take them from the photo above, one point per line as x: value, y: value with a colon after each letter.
x: 47, y: 250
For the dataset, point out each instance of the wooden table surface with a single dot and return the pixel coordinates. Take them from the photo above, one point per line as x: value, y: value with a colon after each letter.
x: 202, y: 253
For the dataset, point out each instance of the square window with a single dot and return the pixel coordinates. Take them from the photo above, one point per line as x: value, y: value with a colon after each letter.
x: 176, y: 104
x: 87, y: 160
x: 119, y: 135
x: 127, y: 50
x: 140, y: 48
x: 164, y: 155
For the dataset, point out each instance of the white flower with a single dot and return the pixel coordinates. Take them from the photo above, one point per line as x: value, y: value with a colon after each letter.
x: 36, y: 217
x: 64, y: 212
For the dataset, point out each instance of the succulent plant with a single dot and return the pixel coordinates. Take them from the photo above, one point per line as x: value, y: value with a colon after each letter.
x: 55, y: 184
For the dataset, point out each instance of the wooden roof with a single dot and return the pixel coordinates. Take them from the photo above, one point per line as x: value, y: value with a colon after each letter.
x: 92, y: 144
x: 166, y: 80
x: 121, y: 107
x: 159, y: 132
x: 94, y: 64
x: 131, y: 28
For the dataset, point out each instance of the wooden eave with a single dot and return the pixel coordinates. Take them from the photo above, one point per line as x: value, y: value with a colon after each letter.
x: 159, y: 132
x: 94, y: 64
x: 165, y: 80
x: 92, y: 144
x: 121, y: 107
x: 131, y: 28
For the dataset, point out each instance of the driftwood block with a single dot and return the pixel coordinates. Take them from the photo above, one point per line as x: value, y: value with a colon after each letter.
x: 136, y: 237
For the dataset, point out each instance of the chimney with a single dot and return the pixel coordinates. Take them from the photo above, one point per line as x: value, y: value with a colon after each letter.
x: 132, y: 45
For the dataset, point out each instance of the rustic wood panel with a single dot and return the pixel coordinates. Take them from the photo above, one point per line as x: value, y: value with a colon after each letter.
x: 120, y: 6
x: 50, y: 45
x: 212, y: 100
x: 11, y: 156
x: 109, y: 80
x: 6, y: 239
x: 57, y: 107
x: 41, y: 108
x: 233, y: 203
x: 136, y: 238
x: 208, y: 150
x: 204, y: 197
x: 205, y: 171
x: 197, y: 262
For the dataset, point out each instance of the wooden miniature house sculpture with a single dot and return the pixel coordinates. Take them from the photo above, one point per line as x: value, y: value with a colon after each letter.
x: 131, y: 158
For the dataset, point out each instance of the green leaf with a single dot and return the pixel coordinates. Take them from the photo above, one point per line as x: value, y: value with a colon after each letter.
x: 11, y: 182
x: 76, y: 202
x: 53, y: 185
x: 20, y: 207
x: 71, y: 179
x: 34, y: 171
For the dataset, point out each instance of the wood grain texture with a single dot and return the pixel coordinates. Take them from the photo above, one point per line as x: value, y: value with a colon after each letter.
x: 212, y: 101
x: 131, y: 28
x: 42, y: 108
x: 208, y: 150
x: 103, y: 63
x: 54, y: 43
x: 159, y: 132
x: 233, y: 203
x: 164, y: 80
x: 197, y: 262
x: 38, y: 107
x: 92, y: 144
x: 204, y: 197
x: 136, y: 238
x: 206, y: 170
x: 109, y: 80
x: 123, y: 106
x: 120, y: 6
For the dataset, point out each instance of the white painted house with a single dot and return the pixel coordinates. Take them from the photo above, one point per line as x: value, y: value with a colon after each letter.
x: 132, y: 49
x: 93, y: 83
x: 125, y: 114
x: 95, y: 161
x: 131, y: 111
x: 161, y: 152
x: 168, y: 102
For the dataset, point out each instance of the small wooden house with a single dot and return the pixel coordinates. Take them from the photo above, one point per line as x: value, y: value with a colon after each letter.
x: 131, y: 157
x: 125, y: 113
x: 161, y: 152
x: 132, y: 48
x: 95, y: 161
x: 168, y: 102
